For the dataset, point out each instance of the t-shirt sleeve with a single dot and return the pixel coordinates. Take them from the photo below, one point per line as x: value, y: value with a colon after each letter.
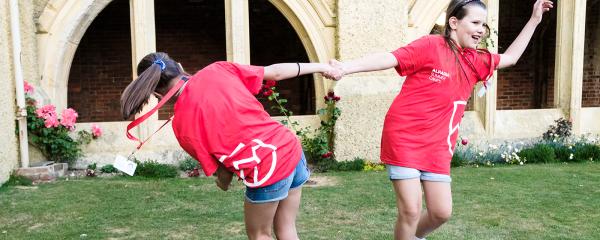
x: 251, y: 76
x: 484, y: 67
x: 412, y: 56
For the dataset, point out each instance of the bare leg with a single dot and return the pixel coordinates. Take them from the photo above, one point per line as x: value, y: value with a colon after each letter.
x: 259, y: 219
x: 408, y: 201
x: 285, y: 217
x: 438, y: 199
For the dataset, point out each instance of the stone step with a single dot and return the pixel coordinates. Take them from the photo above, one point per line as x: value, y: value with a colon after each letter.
x: 47, y: 172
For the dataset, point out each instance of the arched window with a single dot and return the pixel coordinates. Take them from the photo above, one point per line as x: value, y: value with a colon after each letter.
x: 194, y: 33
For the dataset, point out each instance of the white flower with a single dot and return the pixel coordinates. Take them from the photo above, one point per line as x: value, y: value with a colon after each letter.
x: 509, y: 147
x: 571, y: 156
x: 520, y: 163
x: 502, y: 155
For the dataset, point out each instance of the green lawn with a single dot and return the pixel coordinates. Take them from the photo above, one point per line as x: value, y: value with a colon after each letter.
x: 555, y: 201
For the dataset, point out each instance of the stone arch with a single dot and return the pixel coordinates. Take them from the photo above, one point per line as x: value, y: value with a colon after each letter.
x: 60, y: 28
x: 62, y: 24
x: 422, y: 16
x: 314, y: 23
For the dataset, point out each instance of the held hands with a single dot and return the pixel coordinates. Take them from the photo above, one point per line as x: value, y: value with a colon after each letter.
x: 335, y: 72
x: 539, y: 8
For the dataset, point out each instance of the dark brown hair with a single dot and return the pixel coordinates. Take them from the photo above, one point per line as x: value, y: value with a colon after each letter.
x: 156, y: 70
x: 458, y: 9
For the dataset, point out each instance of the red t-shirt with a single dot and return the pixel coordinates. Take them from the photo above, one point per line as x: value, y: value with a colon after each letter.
x: 219, y: 121
x: 421, y: 126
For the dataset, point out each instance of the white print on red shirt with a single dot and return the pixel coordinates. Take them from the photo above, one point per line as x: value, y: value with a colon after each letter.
x: 438, y: 75
x: 452, y: 129
x: 237, y: 163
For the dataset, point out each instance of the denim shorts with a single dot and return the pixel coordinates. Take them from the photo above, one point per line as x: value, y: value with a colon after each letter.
x: 279, y: 190
x: 401, y: 173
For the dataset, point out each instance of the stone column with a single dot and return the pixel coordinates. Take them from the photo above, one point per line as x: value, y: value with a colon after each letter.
x: 366, y: 27
x: 143, y: 41
x: 237, y: 31
x: 488, y: 113
x: 570, y: 39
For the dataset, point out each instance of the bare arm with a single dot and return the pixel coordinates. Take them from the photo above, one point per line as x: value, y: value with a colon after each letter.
x: 373, y: 62
x: 281, y: 71
x: 516, y: 49
x: 224, y: 178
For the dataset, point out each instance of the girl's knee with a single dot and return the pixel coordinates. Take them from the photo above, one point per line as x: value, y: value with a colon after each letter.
x: 409, y: 214
x: 441, y: 215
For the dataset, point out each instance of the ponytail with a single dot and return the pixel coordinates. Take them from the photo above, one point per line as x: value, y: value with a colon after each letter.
x: 155, y: 73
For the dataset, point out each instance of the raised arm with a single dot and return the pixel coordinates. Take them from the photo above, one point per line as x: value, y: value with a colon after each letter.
x: 281, y: 71
x: 516, y: 49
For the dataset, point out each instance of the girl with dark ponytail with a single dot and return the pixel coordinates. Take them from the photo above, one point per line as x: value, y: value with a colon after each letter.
x: 219, y: 122
x: 421, y: 126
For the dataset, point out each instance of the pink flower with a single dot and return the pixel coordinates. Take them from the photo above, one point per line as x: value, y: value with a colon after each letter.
x: 464, y: 141
x: 46, y: 111
x: 69, y: 116
x: 336, y: 98
x: 51, y: 121
x: 96, y: 130
x: 330, y: 94
x: 28, y: 88
x: 268, y: 93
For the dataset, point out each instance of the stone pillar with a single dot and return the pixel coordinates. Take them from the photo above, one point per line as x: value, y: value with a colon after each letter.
x: 8, y: 138
x: 237, y: 31
x: 570, y: 39
x: 366, y: 27
x: 143, y: 41
x: 488, y: 113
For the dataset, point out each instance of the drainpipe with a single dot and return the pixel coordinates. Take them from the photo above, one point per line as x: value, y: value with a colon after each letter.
x: 21, y: 111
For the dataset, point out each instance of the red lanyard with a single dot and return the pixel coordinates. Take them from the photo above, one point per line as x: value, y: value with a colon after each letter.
x: 139, y: 120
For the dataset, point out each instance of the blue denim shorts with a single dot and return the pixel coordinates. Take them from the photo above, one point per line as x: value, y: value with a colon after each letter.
x: 279, y: 190
x: 401, y: 173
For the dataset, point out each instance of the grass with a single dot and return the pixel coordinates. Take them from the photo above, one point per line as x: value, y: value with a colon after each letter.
x: 553, y: 201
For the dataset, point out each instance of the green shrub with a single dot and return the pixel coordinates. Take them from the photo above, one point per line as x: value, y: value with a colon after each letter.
x: 538, y: 153
x: 355, y: 165
x: 17, y: 180
x: 91, y: 166
x: 458, y: 160
x: 563, y: 153
x: 109, y: 168
x: 560, y: 131
x: 328, y: 164
x: 153, y: 169
x: 586, y: 152
x: 188, y: 164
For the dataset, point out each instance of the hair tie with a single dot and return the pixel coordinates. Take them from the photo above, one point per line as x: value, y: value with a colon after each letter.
x: 160, y: 63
